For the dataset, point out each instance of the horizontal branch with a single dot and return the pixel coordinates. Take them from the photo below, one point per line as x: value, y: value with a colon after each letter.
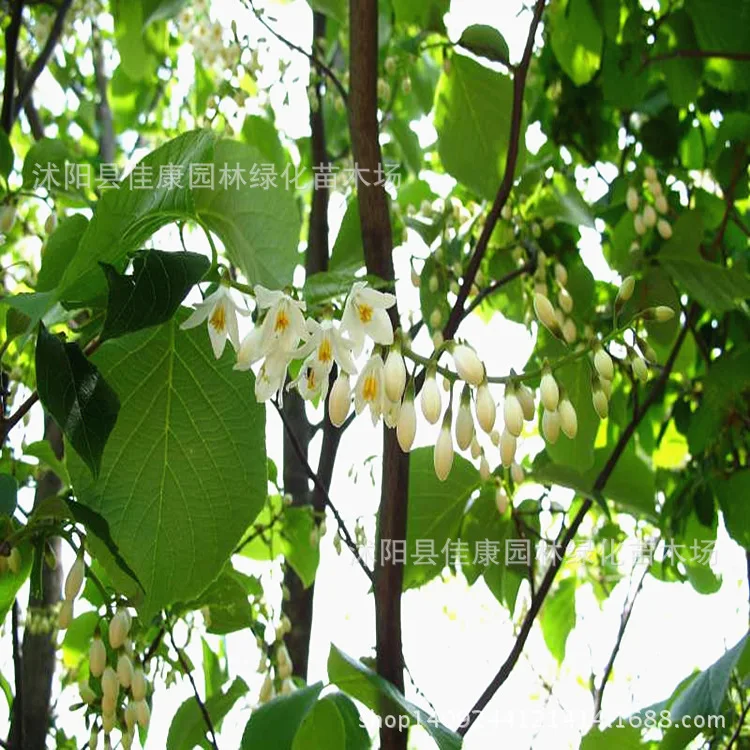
x: 697, y: 54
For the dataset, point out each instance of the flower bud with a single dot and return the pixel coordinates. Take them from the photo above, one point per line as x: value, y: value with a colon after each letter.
x: 443, y: 456
x: 662, y: 205
x: 545, y: 313
x: 406, y: 427
x: 124, y: 670
x: 416, y: 279
x: 119, y: 626
x: 551, y: 425
x: 283, y: 662
x: 127, y: 740
x: 516, y: 473
x: 663, y: 313
x: 495, y: 438
x: 464, y: 424
x: 601, y: 403
x: 536, y: 230
x: 74, y: 579
x: 484, y: 468
x: 88, y: 696
x: 640, y: 369
x: 569, y: 331
x: 664, y: 228
x: 65, y: 616
x: 506, y: 212
x: 549, y: 391
x: 650, y: 174
x: 485, y: 408
x: 433, y: 283
x: 430, y: 399
x: 108, y: 725
x: 109, y: 703
x: 655, y: 187
x: 476, y: 449
x: 561, y: 274
x: 501, y: 501
x: 625, y: 292
x: 138, y: 685
x: 395, y: 375
x: 606, y: 386
x: 603, y: 364
x: 568, y: 418
x: 436, y: 318
x: 94, y: 738
x: 649, y: 216
x: 512, y: 413
x: 143, y: 714
x: 14, y: 561
x: 287, y: 686
x: 267, y: 690
x: 631, y: 199
x: 50, y: 224
x: 526, y: 399
x: 565, y: 301
x: 639, y: 225
x: 7, y: 219
x: 340, y: 400
x: 110, y: 683
x: 507, y: 448
x: 97, y: 657
x: 468, y: 365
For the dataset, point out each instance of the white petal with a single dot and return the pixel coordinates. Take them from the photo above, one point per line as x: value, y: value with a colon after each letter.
x: 380, y: 328
x: 378, y: 300
x: 232, y: 330
x: 249, y: 353
x: 218, y: 340
x: 197, y: 316
x: 342, y: 355
x: 266, y: 297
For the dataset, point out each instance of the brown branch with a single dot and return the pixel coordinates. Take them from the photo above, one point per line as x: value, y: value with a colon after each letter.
x: 696, y: 53
x: 201, y: 705
x: 503, y: 193
x: 559, y: 556
x: 736, y: 734
x: 104, y: 118
x: 624, y: 620
x: 18, y: 713
x: 31, y: 112
x: 740, y: 166
x: 12, y: 31
x: 41, y: 61
x: 497, y: 285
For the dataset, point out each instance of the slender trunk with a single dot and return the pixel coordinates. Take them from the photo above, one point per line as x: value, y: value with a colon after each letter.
x: 378, y: 247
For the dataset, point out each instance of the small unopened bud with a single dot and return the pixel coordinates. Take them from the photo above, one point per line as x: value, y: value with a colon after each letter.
x: 443, y: 456
x: 50, y: 224
x: 339, y: 400
x: 437, y: 339
x: 267, y: 690
x: 568, y: 418
x: 650, y: 174
x: 88, y: 696
x: 287, y: 686
x: 603, y: 364
x: 664, y: 228
x: 640, y: 368
x: 565, y: 301
x: 464, y: 425
x: 649, y: 216
x: 484, y: 468
x: 551, y: 425
x: 406, y: 427
x: 110, y: 683
x: 118, y: 629
x: 631, y: 199
x: 74, y: 579
x: 662, y: 205
x: 395, y: 375
x: 507, y: 448
x: 601, y: 403
x: 550, y: 391
x: 124, y: 670
x: 94, y: 739
x: 7, y: 219
x: 506, y: 212
x: 663, y: 313
x: 569, y: 331
x: 501, y: 501
x: 284, y: 665
x: 545, y: 313
x: 513, y: 413
x: 143, y: 714
x: 536, y: 230
x: 65, y: 616
x: 415, y: 279
x: 430, y: 399
x: 485, y: 408
x: 97, y: 657
x: 406, y: 85
x: 436, y: 318
x: 625, y: 292
x: 561, y: 274
x: 108, y: 725
x: 639, y: 225
x: 138, y: 686
x: 526, y: 399
x: 516, y: 472
x: 109, y: 703
x: 476, y: 449
x: 468, y: 365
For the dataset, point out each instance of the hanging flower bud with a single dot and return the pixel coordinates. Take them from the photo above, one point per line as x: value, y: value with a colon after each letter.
x: 443, y: 456
x: 507, y: 448
x: 7, y: 219
x: 639, y: 367
x: 110, y: 683
x: 339, y: 400
x: 288, y: 686
x: 267, y: 690
x: 501, y: 501
x: 476, y: 449
x: 50, y: 224
x: 485, y: 408
x: 464, y: 421
x: 506, y: 212
x: 565, y: 301
x: 430, y: 399
x: 568, y: 417
x: 650, y: 174
x: 655, y: 187
x: 97, y: 657
x: 65, y: 616
x: 94, y: 738
x: 631, y: 199
x: 545, y: 313
x: 395, y: 375
x: 516, y: 473
x: 88, y: 696
x: 118, y: 629
x: 143, y: 713
x: 639, y: 225
x: 495, y: 438
x: 601, y: 403
x: 625, y: 292
x: 284, y: 666
x: 606, y: 386
x: 127, y: 740
x: 468, y: 365
x: 561, y: 274
x: 664, y: 228
x: 109, y: 703
x: 406, y: 427
x: 526, y: 399
x: 649, y: 216
x: 74, y: 579
x: 661, y: 313
x: 549, y: 391
x: 512, y: 412
x: 551, y: 425
x: 603, y: 364
x: 484, y: 468
x: 662, y: 205
x: 138, y: 685
x: 124, y: 670
x: 131, y: 715
x: 108, y: 725
x: 569, y: 331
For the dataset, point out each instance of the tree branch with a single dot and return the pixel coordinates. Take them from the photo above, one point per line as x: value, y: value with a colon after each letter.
x: 527, y: 267
x: 107, y: 142
x: 201, y: 705
x: 41, y: 61
x: 18, y: 713
x: 696, y: 53
x: 738, y: 731
x: 558, y: 558
x: 519, y: 86
x: 12, y: 31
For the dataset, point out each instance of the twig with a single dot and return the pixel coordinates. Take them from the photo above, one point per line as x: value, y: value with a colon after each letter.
x: 736, y: 734
x: 350, y: 543
x: 18, y: 712
x: 155, y: 643
x: 40, y: 63
x: 624, y: 620
x: 499, y: 284
x: 696, y: 53
x: 559, y: 556
x: 11, y: 45
x: 201, y: 704
x: 519, y: 86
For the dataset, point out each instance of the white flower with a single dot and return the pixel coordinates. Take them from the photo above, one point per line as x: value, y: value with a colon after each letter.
x: 485, y: 408
x: 338, y: 403
x: 284, y: 324
x: 220, y: 310
x: 406, y: 427
x: 312, y: 380
x: 513, y: 413
x: 271, y: 376
x: 443, y: 457
x: 395, y: 375
x: 370, y: 389
x: 327, y: 345
x: 468, y: 365
x: 430, y: 399
x: 365, y: 315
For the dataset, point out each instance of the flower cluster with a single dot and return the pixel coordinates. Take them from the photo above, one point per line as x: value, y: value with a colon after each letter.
x: 277, y: 661
x: 653, y: 214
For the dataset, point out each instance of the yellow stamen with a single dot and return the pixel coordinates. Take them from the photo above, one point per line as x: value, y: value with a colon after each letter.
x: 370, y: 388
x: 218, y: 319
x: 365, y: 313
x: 325, y: 352
x: 310, y: 379
x: 282, y: 321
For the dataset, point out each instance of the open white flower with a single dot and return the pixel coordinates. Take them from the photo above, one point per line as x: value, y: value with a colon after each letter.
x: 271, y: 376
x: 370, y: 389
x: 312, y: 380
x: 284, y: 324
x: 221, y: 312
x: 365, y: 315
x: 327, y: 345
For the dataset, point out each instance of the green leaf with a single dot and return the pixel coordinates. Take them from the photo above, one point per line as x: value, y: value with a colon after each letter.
x: 161, y: 10
x: 576, y: 39
x: 558, y: 618
x: 226, y: 599
x: 356, y: 734
x: 560, y: 200
x: 77, y: 396
x: 129, y: 23
x: 348, y: 252
x: 483, y: 523
x: 10, y: 583
x: 8, y: 495
x: 188, y: 727
x: 261, y: 133
x: 473, y: 108
x: 60, y: 249
x: 322, y: 727
x: 485, y: 41
x: 274, y: 724
x: 408, y: 142
x: 45, y: 167
x: 335, y: 9
x: 434, y: 511
x: 197, y: 437
x: 427, y: 14
x: 42, y: 450
x: 379, y: 695
x: 625, y: 737
x: 732, y: 494
x: 714, y: 286
x: 77, y: 640
x: 152, y: 293
x: 6, y: 155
